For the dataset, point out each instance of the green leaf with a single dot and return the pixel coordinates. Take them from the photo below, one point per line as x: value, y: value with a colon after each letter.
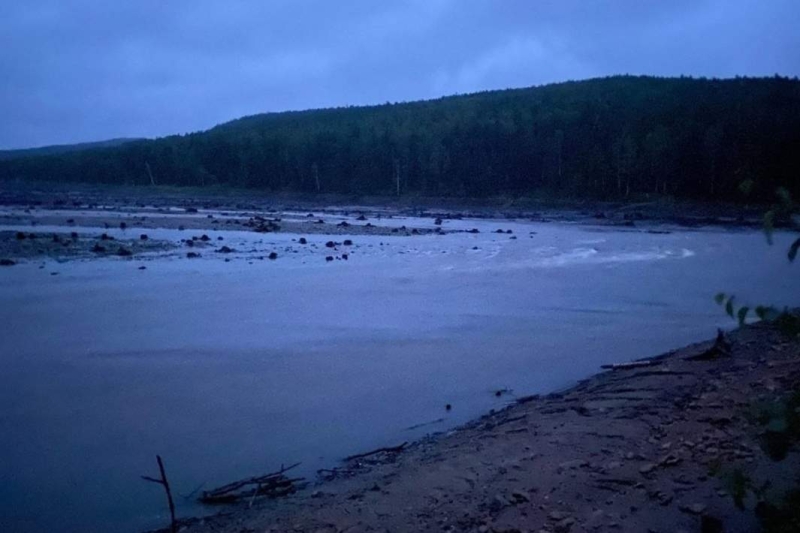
x: 769, y: 225
x: 729, y: 307
x: 742, y: 315
x: 778, y: 425
x: 719, y: 298
x: 793, y: 249
x: 784, y: 196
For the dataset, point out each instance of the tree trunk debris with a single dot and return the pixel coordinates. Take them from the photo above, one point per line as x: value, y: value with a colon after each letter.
x: 272, y: 485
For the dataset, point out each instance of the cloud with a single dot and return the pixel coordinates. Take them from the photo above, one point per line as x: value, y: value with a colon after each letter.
x: 84, y: 70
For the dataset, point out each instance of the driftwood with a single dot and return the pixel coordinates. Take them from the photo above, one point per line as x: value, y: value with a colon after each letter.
x: 720, y: 348
x: 164, y: 483
x: 271, y: 485
x: 632, y: 364
x: 388, y: 449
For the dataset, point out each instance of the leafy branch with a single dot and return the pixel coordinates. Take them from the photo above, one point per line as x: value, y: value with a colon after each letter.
x: 786, y: 213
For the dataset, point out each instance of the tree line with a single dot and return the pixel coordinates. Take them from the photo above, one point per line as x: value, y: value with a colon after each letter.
x: 620, y: 137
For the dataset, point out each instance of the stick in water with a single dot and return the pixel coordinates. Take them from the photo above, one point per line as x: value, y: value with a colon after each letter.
x: 164, y: 483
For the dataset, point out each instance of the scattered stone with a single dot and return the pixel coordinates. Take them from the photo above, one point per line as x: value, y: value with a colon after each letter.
x: 124, y: 252
x: 345, y: 257
x: 647, y: 468
x: 519, y: 497
x: 225, y: 250
x: 273, y: 255
x: 361, y: 218
x: 20, y: 236
x: 7, y: 262
x: 329, y: 258
x: 98, y: 249
x: 302, y: 240
x: 330, y: 244
x: 348, y: 242
x: 205, y: 238
x: 474, y: 230
x: 192, y: 255
x: 695, y: 508
x: 142, y: 267
x: 438, y: 221
x: 74, y: 235
x: 122, y: 225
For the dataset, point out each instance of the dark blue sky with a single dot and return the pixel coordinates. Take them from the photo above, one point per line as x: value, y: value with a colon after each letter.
x: 81, y: 70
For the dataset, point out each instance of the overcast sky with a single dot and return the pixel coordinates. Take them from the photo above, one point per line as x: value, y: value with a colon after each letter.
x: 82, y: 70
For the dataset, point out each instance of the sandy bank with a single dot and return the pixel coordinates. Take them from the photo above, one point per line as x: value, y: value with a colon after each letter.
x: 678, y: 445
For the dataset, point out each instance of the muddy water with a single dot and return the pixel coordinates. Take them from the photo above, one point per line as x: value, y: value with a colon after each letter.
x: 228, y: 369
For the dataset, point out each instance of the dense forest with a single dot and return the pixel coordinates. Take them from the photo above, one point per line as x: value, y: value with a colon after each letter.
x: 613, y: 138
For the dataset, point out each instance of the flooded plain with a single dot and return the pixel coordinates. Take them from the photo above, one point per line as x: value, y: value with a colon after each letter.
x: 232, y: 368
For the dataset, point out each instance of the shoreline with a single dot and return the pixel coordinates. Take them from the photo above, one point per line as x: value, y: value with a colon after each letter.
x: 650, y: 447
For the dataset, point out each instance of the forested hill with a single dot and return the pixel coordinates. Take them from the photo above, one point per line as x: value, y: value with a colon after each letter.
x: 56, y: 149
x: 614, y: 137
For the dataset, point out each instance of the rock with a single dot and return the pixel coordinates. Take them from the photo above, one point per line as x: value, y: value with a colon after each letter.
x: 7, y: 262
x: 273, y: 255
x: 564, y: 526
x: 499, y: 231
x: 474, y: 230
x: 556, y: 516
x: 571, y: 465
x: 670, y: 460
x: 361, y: 218
x: 142, y: 267
x: 343, y: 224
x: 124, y: 252
x: 143, y: 237
x: 330, y: 244
x: 225, y: 250
x: 498, y: 503
x: 448, y: 407
x: 348, y: 242
x: 345, y: 257
x: 20, y: 236
x: 438, y: 221
x: 122, y: 225
x: 205, y: 238
x: 98, y: 249
x: 191, y: 210
x: 303, y: 240
x: 190, y: 243
x: 329, y: 258
x: 192, y: 255
x: 520, y: 497
x: 647, y: 468
x: 74, y: 235
x: 695, y: 508
x: 106, y: 237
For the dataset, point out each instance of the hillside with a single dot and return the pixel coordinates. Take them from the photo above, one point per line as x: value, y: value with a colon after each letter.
x: 57, y: 149
x: 617, y: 137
